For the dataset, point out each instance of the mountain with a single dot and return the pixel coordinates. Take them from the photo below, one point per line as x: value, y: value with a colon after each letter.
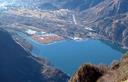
x: 109, y: 18
x: 56, y: 4
x: 47, y: 6
x: 80, y: 4
x: 117, y: 72
x: 104, y: 19
x: 107, y: 8
x: 18, y: 65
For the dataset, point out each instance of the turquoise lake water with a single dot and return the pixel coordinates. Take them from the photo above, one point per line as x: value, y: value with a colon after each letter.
x: 68, y: 55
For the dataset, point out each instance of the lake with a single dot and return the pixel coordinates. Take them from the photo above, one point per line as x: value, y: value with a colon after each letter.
x: 68, y: 55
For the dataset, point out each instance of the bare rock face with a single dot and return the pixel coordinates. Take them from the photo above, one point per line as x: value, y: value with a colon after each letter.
x: 88, y: 73
x: 118, y: 72
x: 18, y: 65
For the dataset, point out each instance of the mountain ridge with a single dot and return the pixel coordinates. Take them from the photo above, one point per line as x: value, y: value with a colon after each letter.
x: 109, y: 18
x: 18, y: 65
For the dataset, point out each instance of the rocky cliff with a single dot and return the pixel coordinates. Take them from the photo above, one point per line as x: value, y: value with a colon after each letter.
x: 18, y: 65
x: 117, y: 72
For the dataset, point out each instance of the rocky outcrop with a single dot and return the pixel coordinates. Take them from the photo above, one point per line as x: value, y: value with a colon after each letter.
x: 89, y: 73
x: 18, y: 65
x: 125, y: 81
x: 117, y: 72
